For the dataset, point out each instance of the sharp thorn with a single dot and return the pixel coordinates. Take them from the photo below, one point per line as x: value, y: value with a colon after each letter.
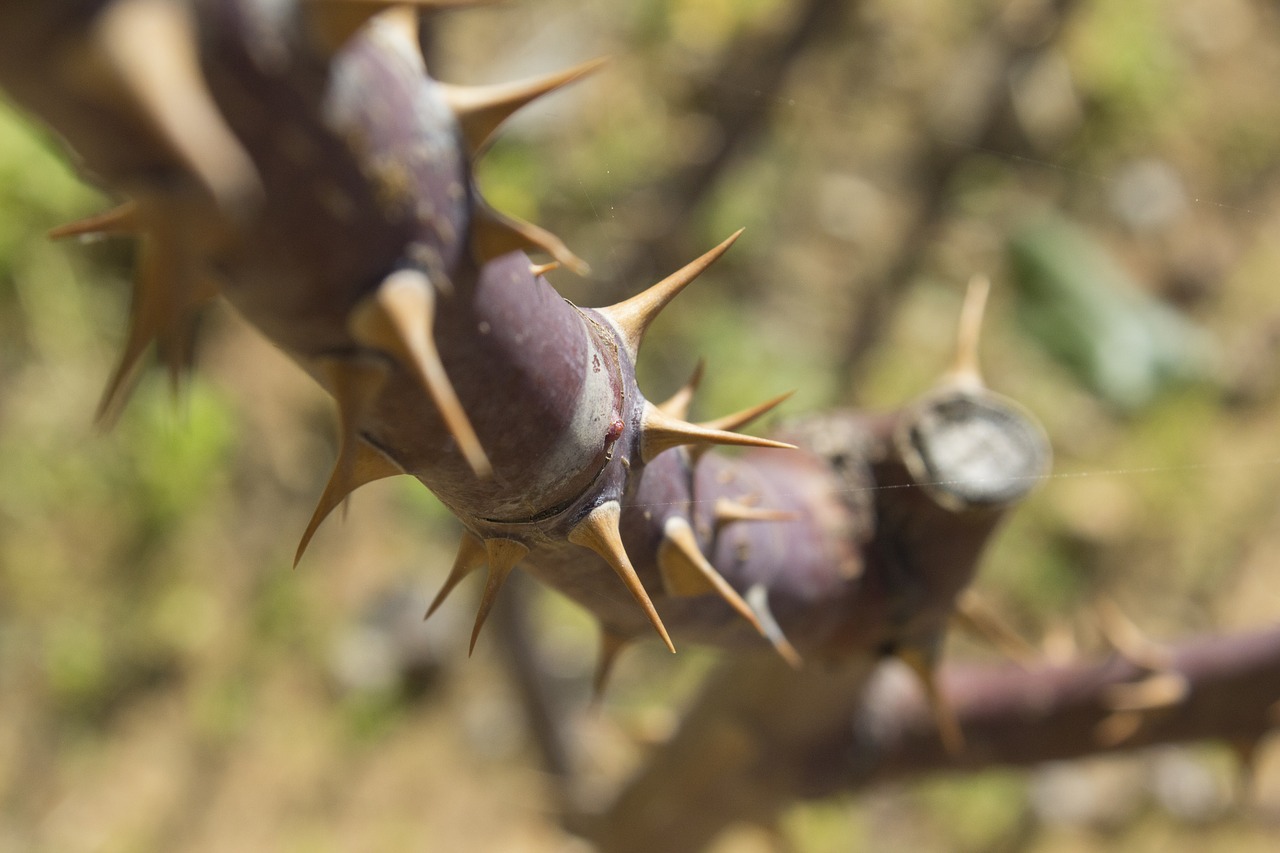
x: 539, y: 270
x: 502, y: 554
x: 758, y: 599
x: 354, y: 383
x: 1128, y: 639
x: 1115, y: 729
x: 164, y: 297
x: 125, y: 375
x: 471, y: 556
x: 611, y: 645
x: 599, y: 532
x: 120, y: 220
x: 368, y: 465
x: 677, y: 405
x: 738, y: 420
x: 1156, y: 691
x: 727, y: 511
x: 633, y: 316
x: 925, y: 669
x: 494, y: 234
x: 482, y: 109
x: 150, y: 49
x: 662, y: 432
x: 966, y: 369
x: 398, y: 319
x: 974, y: 616
x: 686, y: 571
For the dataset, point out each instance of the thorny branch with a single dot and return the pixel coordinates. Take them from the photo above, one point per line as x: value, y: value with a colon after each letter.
x: 297, y: 160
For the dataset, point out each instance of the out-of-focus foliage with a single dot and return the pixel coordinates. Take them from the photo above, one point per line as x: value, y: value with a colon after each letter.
x: 1123, y: 344
x: 166, y: 683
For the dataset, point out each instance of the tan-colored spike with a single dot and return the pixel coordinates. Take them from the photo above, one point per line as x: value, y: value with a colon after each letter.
x: 482, y: 109
x: 738, y: 420
x: 147, y: 50
x: 165, y: 293
x: 494, y: 234
x: 735, y: 421
x: 687, y: 572
x: 538, y: 270
x: 611, y: 645
x: 975, y: 616
x: 502, y: 554
x: 398, y: 319
x: 1115, y: 729
x: 147, y: 311
x: 471, y: 556
x: 966, y: 369
x: 949, y: 732
x: 758, y: 600
x: 354, y: 383
x: 1156, y: 691
x: 727, y: 511
x: 120, y: 220
x: 333, y: 22
x: 1130, y: 641
x: 633, y: 317
x: 660, y: 431
x: 599, y: 532
x: 677, y: 405
x: 360, y: 466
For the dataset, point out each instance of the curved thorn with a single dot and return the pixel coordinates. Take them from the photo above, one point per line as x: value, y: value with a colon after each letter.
x: 687, y: 571
x: 163, y: 298
x: 120, y: 220
x: 397, y: 319
x: 633, y: 316
x: 471, y: 556
x: 482, y: 109
x: 660, y: 431
x: 503, y: 554
x: 360, y: 467
x: 758, y: 599
x: 494, y: 234
x: 677, y: 405
x: 599, y: 532
x: 354, y: 385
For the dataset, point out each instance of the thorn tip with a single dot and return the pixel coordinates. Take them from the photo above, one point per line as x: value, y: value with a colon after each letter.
x: 599, y: 531
x: 397, y: 319
x: 633, y: 316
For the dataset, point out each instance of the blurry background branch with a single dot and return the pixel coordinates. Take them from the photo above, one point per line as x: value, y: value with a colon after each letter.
x: 147, y: 620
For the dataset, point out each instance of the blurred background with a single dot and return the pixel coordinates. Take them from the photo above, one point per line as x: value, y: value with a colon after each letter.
x: 168, y: 683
